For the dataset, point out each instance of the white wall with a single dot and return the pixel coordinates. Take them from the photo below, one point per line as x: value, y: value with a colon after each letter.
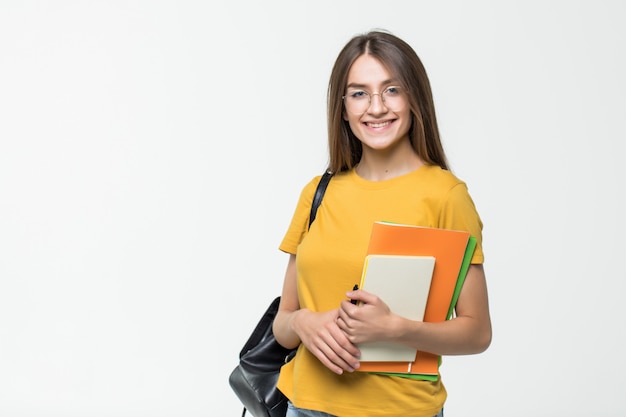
x: 152, y: 152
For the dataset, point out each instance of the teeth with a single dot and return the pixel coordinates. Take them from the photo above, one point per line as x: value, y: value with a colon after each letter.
x: 383, y: 124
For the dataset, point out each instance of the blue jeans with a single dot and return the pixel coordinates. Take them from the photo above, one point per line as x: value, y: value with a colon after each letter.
x: 301, y: 412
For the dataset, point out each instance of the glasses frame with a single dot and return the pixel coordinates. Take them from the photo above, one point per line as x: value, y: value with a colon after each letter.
x: 369, y: 98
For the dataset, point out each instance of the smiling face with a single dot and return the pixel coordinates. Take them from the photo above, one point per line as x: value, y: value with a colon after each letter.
x: 382, y: 125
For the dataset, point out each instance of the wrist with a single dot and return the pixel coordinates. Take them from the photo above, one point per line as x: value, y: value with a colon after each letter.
x: 403, y: 330
x: 293, y: 324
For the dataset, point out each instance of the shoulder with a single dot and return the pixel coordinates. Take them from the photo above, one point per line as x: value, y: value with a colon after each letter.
x: 442, y: 176
x: 441, y: 181
x: 307, y: 192
x: 309, y: 188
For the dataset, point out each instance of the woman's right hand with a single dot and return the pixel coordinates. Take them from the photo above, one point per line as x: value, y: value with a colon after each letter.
x: 321, y: 335
x: 319, y: 332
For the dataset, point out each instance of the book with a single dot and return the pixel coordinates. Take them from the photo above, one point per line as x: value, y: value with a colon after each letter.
x: 403, y: 283
x: 467, y: 259
x: 469, y: 252
x: 450, y: 249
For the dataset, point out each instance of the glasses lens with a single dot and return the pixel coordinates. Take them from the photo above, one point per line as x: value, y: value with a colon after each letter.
x: 357, y: 101
x: 393, y: 98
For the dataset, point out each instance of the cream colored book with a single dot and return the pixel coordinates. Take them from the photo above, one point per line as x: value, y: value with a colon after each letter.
x: 403, y: 283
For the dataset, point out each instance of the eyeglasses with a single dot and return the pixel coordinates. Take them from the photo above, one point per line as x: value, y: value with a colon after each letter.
x: 358, y: 101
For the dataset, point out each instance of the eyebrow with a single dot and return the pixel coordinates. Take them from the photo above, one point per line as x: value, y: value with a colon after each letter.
x: 363, y: 86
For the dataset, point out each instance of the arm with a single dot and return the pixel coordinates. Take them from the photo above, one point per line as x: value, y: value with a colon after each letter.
x: 468, y: 333
x: 317, y: 331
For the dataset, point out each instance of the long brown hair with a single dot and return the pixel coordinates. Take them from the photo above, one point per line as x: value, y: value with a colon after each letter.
x: 400, y: 60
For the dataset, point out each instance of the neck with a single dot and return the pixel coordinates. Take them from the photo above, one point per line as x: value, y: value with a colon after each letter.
x: 379, y: 169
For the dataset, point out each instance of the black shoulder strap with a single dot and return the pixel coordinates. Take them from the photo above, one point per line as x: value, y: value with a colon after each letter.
x: 319, y: 194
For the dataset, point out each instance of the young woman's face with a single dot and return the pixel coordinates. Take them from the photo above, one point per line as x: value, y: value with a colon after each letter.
x: 375, y: 106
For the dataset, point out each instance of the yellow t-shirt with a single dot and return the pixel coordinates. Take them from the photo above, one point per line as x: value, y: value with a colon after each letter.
x: 329, y: 261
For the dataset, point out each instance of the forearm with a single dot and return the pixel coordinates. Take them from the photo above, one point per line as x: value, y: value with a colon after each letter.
x: 288, y: 309
x: 468, y: 333
x: 459, y: 336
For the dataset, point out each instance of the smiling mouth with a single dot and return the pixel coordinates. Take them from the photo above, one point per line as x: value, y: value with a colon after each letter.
x: 378, y: 124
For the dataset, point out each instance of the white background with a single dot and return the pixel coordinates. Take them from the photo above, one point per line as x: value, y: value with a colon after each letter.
x: 152, y: 153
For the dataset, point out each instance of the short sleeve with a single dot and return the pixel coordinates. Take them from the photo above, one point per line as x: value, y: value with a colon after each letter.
x: 459, y: 213
x: 298, y: 227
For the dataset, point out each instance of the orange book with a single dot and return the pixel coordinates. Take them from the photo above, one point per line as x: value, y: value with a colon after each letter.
x: 448, y: 248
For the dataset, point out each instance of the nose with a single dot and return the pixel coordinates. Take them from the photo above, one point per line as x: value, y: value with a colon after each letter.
x: 377, y: 104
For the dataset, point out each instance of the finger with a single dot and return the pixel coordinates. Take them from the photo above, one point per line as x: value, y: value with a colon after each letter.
x: 365, y: 297
x: 343, y: 345
x: 345, y: 325
x: 344, y: 311
x: 333, y: 361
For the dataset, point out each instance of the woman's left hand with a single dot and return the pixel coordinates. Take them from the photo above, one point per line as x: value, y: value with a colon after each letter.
x: 369, y: 320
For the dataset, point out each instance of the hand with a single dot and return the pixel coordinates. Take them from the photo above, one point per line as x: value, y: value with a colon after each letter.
x: 323, y: 338
x: 368, y: 321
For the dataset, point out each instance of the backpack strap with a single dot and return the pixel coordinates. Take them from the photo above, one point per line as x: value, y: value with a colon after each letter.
x: 319, y: 194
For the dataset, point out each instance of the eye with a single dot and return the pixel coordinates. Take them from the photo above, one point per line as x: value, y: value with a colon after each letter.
x: 392, y: 91
x: 357, y: 94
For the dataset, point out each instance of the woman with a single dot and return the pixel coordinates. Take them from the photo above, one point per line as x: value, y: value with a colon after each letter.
x: 389, y: 165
